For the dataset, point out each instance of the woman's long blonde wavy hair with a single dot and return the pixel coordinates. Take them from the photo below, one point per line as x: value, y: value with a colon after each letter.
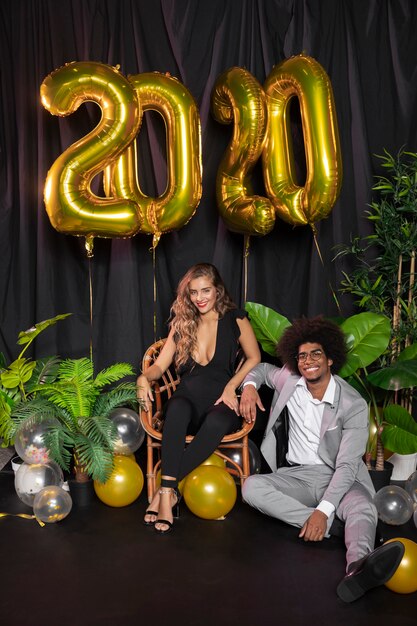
x: 184, y: 314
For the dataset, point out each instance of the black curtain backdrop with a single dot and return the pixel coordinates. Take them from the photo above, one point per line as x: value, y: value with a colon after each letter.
x: 369, y: 50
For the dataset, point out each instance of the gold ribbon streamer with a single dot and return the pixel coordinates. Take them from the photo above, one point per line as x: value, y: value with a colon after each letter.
x: 154, y: 290
x: 246, y: 246
x: 23, y: 516
x: 314, y: 229
x: 90, y: 280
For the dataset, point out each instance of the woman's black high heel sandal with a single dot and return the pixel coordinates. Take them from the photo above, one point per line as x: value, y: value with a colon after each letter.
x: 165, y: 489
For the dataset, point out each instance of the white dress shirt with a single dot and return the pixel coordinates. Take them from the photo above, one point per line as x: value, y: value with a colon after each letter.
x: 306, y: 414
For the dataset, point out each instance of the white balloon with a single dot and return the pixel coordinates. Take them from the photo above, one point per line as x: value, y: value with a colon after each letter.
x: 30, y: 479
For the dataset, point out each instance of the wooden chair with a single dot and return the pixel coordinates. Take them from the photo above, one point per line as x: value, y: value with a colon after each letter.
x: 153, y: 421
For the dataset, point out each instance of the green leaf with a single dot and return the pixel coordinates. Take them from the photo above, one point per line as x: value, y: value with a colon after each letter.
x: 408, y: 353
x: 113, y: 374
x: 367, y: 338
x: 18, y: 372
x: 97, y: 460
x: 399, y: 375
x: 400, y: 431
x: 267, y: 324
x: 45, y: 371
x: 27, y: 336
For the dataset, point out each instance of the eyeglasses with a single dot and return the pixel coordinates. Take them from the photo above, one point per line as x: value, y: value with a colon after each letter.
x: 315, y: 355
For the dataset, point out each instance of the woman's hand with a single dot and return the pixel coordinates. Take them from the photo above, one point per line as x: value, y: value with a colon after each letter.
x: 229, y: 398
x: 144, y: 391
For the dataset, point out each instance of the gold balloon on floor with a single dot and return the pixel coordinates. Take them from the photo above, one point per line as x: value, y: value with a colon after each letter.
x: 210, y: 492
x: 213, y: 459
x: 124, y: 485
x: 405, y: 578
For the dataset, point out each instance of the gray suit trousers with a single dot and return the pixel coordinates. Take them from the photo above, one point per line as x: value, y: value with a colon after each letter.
x: 291, y: 494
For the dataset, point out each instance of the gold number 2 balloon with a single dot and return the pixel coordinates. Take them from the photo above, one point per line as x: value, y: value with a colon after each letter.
x: 303, y: 77
x: 70, y: 203
x: 176, y: 206
x: 237, y: 96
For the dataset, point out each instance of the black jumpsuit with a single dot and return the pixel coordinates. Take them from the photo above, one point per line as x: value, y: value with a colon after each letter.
x: 191, y: 409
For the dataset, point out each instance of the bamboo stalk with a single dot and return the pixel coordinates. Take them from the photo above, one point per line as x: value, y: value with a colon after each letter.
x: 409, y: 393
x: 395, y: 348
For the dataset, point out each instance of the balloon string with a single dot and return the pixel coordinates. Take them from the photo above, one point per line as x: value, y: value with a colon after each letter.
x: 23, y: 516
x: 90, y: 272
x: 154, y: 290
x: 246, y: 251
x: 314, y: 229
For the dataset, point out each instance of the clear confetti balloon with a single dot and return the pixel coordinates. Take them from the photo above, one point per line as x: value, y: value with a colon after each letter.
x: 52, y: 504
x: 30, y: 479
x: 394, y: 505
x: 411, y: 487
x: 30, y: 440
x: 130, y: 433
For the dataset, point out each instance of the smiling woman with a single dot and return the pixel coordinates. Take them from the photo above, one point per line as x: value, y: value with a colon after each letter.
x: 206, y: 332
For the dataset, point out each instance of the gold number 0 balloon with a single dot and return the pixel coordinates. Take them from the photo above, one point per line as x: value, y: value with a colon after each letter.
x: 303, y: 77
x: 238, y: 96
x: 71, y: 205
x: 177, y: 205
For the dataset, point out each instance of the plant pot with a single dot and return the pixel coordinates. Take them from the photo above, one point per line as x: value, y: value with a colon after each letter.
x: 82, y: 493
x: 381, y: 478
x: 404, y: 465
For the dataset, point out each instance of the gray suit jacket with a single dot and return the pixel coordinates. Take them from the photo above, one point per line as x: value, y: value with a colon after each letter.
x: 343, y: 434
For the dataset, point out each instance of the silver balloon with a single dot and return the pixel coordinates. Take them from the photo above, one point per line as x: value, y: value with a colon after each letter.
x: 29, y: 440
x: 52, y: 504
x: 394, y: 505
x: 30, y: 479
x: 235, y: 454
x: 130, y: 433
x: 411, y: 487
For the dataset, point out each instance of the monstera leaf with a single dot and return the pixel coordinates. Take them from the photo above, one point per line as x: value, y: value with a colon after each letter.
x: 267, y: 324
x: 399, y: 375
x: 400, y: 430
x: 367, y: 336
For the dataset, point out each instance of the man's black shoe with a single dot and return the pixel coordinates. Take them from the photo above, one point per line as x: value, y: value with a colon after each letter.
x: 374, y: 569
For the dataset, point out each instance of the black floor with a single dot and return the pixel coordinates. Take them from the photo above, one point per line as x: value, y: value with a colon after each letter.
x: 102, y: 567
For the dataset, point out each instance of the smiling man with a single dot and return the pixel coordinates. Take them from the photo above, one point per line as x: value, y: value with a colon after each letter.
x: 314, y: 443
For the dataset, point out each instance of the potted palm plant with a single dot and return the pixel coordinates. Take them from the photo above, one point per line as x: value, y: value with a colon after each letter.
x: 367, y: 337
x: 82, y: 436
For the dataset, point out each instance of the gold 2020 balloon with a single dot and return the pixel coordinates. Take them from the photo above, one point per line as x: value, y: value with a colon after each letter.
x: 70, y: 203
x: 404, y: 579
x: 210, y: 492
x: 303, y: 77
x: 237, y: 96
x: 124, y: 485
x: 177, y: 205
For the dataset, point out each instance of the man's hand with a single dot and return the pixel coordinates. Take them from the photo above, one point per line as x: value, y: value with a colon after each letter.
x: 249, y: 400
x: 315, y: 527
